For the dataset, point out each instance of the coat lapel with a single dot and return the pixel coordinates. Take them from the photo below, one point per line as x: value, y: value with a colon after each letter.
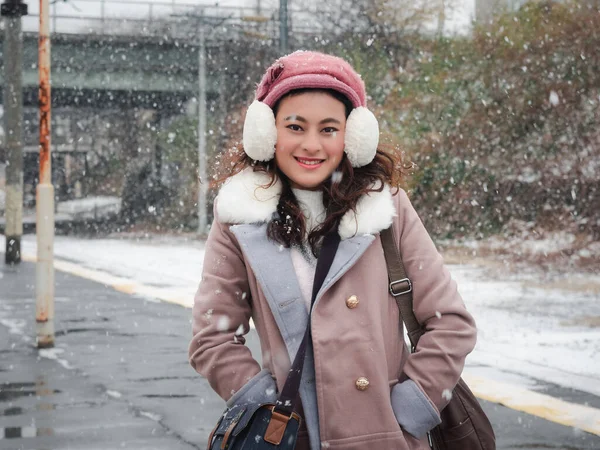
x: 274, y: 271
x: 349, y: 251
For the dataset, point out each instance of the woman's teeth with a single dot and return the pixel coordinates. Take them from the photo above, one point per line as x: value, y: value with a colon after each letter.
x: 309, y: 162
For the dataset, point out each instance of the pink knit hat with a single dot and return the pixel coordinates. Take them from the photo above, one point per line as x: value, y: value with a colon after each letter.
x: 310, y: 70
x: 300, y: 70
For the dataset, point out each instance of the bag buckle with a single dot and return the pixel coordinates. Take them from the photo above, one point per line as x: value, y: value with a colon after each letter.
x: 276, y: 427
x: 405, y: 282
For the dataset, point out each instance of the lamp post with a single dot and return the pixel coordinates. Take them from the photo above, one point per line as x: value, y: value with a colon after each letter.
x: 44, y: 282
x: 283, y: 27
x: 202, y: 177
x: 12, y: 11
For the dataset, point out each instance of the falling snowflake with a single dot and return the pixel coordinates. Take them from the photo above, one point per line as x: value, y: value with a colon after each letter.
x: 447, y: 394
x: 223, y: 323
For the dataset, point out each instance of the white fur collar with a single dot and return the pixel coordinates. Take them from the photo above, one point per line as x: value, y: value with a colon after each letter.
x: 243, y: 200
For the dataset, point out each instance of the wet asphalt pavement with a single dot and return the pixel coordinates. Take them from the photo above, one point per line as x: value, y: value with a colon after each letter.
x: 118, y: 376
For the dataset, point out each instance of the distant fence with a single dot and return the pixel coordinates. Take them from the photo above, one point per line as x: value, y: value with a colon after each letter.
x: 114, y: 17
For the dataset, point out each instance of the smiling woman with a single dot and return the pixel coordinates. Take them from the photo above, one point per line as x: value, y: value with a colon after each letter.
x: 295, y: 244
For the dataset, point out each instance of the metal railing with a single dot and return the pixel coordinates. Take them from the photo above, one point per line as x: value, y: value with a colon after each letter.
x: 114, y: 17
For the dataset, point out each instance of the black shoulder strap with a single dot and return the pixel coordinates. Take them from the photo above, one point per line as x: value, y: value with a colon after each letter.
x: 287, y: 398
x: 400, y: 285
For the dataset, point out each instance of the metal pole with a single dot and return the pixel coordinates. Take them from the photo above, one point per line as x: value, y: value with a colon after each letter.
x: 484, y: 11
x: 441, y: 19
x: 283, y: 27
x: 44, y: 282
x: 13, y: 122
x: 202, y: 179
x: 102, y: 10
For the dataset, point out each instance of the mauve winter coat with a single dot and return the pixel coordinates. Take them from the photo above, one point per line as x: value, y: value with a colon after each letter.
x: 357, y: 339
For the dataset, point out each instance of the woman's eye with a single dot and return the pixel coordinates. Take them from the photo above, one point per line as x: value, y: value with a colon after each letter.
x: 330, y: 130
x: 294, y: 127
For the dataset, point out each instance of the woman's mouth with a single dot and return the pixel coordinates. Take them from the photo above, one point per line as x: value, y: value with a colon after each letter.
x: 310, y: 163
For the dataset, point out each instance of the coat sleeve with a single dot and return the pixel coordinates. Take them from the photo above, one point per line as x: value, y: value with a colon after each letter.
x: 450, y: 333
x: 221, y: 315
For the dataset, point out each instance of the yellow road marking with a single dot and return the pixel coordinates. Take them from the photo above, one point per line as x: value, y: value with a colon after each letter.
x: 120, y: 284
x: 126, y: 288
x: 537, y: 404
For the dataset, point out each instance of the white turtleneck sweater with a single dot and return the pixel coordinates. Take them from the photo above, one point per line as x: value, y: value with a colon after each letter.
x: 305, y: 263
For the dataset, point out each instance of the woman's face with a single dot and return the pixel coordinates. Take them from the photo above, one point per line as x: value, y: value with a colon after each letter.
x: 310, y: 137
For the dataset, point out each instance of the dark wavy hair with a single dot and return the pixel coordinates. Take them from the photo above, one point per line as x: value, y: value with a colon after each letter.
x: 341, y: 191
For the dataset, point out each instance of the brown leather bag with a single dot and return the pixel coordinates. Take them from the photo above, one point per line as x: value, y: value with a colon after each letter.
x: 464, y: 424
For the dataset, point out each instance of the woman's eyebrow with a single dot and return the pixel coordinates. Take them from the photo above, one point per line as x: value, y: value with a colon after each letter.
x: 302, y: 119
x: 295, y: 117
x: 330, y: 120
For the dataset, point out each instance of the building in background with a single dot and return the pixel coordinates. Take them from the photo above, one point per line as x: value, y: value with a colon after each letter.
x: 485, y: 9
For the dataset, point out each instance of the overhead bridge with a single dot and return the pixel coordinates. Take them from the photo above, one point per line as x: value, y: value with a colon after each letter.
x: 102, y: 70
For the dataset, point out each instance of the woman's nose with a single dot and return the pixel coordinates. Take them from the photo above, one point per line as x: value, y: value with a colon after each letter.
x: 312, y: 143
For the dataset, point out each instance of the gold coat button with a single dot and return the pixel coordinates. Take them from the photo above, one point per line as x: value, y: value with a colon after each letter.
x: 352, y: 302
x: 362, y: 384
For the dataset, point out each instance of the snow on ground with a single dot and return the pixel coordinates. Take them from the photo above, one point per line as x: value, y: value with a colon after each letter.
x: 526, y: 327
x: 528, y: 330
x: 164, y: 263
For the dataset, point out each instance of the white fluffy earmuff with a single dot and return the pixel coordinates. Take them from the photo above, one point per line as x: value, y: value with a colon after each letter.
x: 362, y: 136
x: 260, y: 134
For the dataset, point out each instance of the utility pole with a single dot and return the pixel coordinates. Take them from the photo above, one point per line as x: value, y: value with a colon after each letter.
x: 441, y: 19
x: 484, y: 10
x: 202, y: 178
x: 44, y: 276
x: 283, y: 27
x: 12, y: 11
